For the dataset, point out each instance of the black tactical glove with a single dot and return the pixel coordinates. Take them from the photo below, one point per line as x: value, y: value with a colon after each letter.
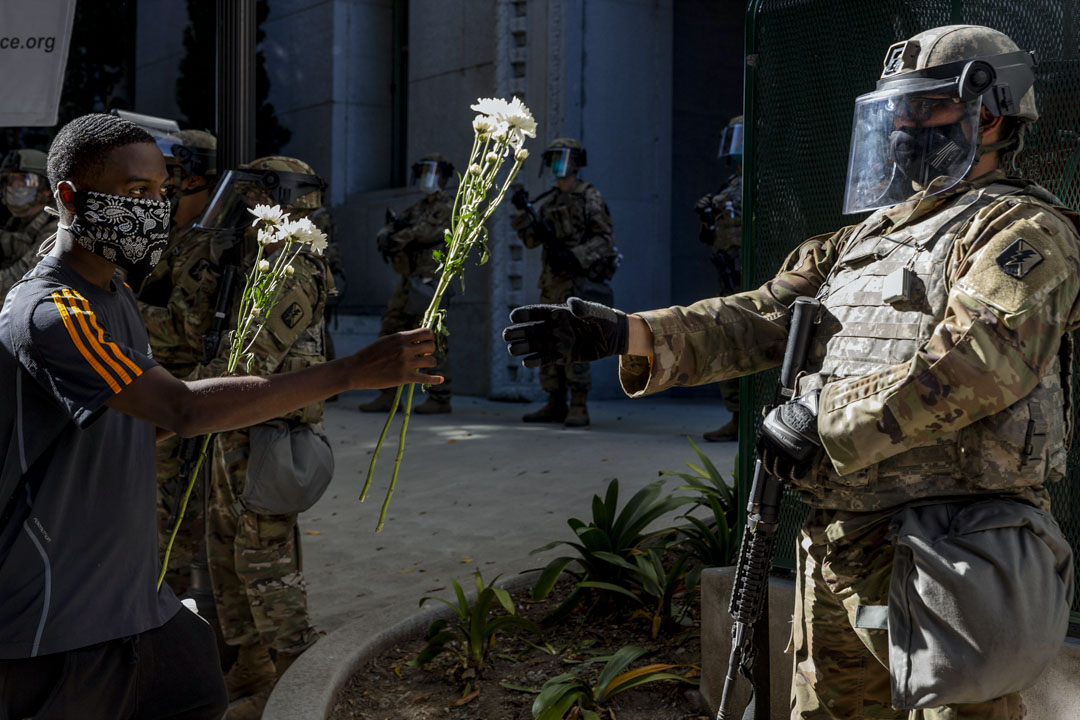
x: 704, y: 205
x: 520, y: 198
x: 579, y: 331
x: 788, y: 443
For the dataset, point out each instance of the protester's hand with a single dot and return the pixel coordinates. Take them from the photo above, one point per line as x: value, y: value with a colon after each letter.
x: 788, y: 443
x: 579, y: 331
x: 395, y: 360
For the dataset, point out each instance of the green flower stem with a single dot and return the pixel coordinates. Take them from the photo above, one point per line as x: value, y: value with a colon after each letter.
x: 183, y: 508
x: 382, y: 436
x: 468, y: 228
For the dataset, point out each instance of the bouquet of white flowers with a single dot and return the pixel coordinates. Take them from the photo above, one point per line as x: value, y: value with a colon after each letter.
x: 499, y: 133
x: 261, y: 289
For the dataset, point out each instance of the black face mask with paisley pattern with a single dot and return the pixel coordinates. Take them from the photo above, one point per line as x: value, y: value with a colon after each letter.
x: 129, y: 232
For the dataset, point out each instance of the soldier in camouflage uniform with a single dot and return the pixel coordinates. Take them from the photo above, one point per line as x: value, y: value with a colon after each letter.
x: 176, y: 324
x: 935, y: 375
x: 575, y: 229
x: 254, y: 559
x: 407, y: 243
x: 25, y: 188
x: 721, y: 230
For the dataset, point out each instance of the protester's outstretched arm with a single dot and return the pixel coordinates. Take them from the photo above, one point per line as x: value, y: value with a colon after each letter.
x: 218, y: 404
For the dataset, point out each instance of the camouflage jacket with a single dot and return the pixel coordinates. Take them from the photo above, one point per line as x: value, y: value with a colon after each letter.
x: 997, y: 341
x: 580, y: 222
x: 291, y: 339
x: 726, y: 207
x: 423, y: 226
x: 20, y: 239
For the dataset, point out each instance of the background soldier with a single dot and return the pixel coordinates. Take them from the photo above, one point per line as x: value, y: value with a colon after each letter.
x: 575, y: 229
x: 254, y: 558
x: 176, y: 324
x: 407, y: 242
x: 933, y: 408
x: 25, y: 186
x: 721, y: 229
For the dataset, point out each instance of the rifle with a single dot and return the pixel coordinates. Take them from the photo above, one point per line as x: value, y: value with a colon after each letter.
x: 188, y: 454
x: 750, y: 591
x: 726, y: 270
x: 222, y: 302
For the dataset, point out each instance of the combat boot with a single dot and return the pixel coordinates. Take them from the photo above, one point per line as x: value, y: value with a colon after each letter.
x: 383, y: 403
x: 252, y: 672
x: 433, y: 406
x: 727, y: 432
x: 553, y: 412
x: 578, y: 416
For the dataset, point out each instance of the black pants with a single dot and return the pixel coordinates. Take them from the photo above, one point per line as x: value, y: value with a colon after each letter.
x: 170, y: 673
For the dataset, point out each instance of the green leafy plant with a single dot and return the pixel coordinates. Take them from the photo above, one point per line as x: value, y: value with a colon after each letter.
x: 563, y: 693
x: 710, y: 542
x: 652, y: 586
x: 470, y: 635
x: 611, y: 534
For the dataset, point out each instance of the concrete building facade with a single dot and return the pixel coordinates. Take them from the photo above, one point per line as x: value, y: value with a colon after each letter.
x: 367, y: 86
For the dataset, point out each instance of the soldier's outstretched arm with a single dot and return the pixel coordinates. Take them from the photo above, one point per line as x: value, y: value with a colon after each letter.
x: 1014, y: 294
x: 219, y: 404
x: 722, y: 338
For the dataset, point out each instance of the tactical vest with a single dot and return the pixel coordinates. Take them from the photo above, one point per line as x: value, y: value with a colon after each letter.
x: 862, y: 332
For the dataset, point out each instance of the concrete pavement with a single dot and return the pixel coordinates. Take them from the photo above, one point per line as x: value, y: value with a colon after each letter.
x: 478, y: 489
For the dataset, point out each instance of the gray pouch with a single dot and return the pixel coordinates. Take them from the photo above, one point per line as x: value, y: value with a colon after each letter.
x: 978, y: 601
x: 288, y: 468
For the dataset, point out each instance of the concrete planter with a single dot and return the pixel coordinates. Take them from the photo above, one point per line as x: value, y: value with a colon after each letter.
x: 310, y: 687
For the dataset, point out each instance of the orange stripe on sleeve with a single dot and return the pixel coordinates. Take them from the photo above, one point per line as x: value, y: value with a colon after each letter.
x: 74, y: 334
x: 101, y: 336
x: 95, y: 347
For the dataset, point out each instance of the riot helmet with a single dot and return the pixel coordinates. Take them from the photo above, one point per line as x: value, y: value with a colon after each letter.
x: 24, y: 181
x: 564, y: 156
x: 431, y: 172
x: 918, y: 131
x: 272, y: 180
x: 731, y: 141
x: 196, y: 153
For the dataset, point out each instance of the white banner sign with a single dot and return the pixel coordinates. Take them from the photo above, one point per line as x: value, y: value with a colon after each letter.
x: 34, y: 40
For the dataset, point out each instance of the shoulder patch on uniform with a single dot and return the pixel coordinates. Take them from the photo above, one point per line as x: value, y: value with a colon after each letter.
x: 292, y: 315
x: 1019, y: 259
x: 197, y: 268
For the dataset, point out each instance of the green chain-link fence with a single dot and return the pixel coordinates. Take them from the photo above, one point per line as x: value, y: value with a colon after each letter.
x: 807, y: 60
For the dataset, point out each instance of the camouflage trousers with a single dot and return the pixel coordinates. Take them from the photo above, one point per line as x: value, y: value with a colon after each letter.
x: 397, y: 319
x: 255, y: 563
x: 575, y: 376
x: 841, y: 672
x: 189, y: 537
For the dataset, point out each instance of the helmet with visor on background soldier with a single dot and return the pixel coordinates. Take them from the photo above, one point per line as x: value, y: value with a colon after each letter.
x: 432, y: 172
x: 25, y: 193
x: 564, y: 156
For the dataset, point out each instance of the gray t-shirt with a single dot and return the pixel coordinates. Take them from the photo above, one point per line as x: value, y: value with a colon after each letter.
x: 79, y: 554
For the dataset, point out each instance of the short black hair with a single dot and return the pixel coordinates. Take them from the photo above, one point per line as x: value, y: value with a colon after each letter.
x: 79, y: 150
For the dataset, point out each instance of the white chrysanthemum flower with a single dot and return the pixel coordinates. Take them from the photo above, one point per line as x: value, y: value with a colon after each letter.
x: 492, y: 158
x: 500, y: 136
x: 521, y: 155
x: 289, y: 270
x: 267, y: 214
x: 482, y: 124
x: 298, y: 230
x: 494, y: 107
x: 520, y: 118
x: 317, y: 240
x: 266, y: 237
x: 474, y: 169
x: 264, y: 266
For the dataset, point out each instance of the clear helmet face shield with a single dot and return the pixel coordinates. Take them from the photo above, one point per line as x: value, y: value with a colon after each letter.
x: 731, y: 143
x: 559, y: 160
x: 909, y: 138
x: 241, y: 190
x: 426, y: 176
